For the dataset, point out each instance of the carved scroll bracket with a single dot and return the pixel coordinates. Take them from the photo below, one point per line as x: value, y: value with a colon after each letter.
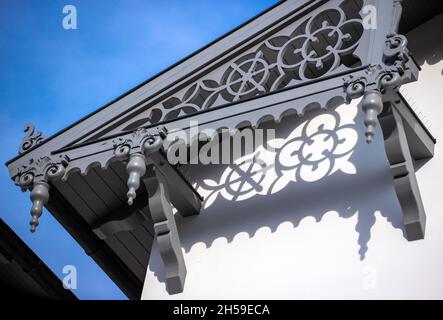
x: 31, y: 138
x: 135, y: 150
x: 142, y: 147
x: 167, y: 187
x: 166, y: 232
x: 35, y: 177
x: 376, y: 79
x: 403, y: 173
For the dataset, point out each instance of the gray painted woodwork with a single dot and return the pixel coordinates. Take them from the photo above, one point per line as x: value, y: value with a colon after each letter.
x: 165, y: 187
x: 110, y: 172
x: 415, y: 12
x: 114, y: 264
x: 403, y: 172
x: 31, y: 138
x: 166, y: 232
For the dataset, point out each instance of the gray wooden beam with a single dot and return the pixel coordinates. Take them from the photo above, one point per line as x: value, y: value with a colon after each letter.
x: 166, y: 232
x: 420, y: 140
x: 403, y: 172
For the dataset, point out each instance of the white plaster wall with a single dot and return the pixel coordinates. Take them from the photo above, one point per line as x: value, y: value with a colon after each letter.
x: 335, y: 237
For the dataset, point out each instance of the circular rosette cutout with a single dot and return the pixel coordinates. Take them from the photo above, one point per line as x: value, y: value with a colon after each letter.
x: 246, y: 77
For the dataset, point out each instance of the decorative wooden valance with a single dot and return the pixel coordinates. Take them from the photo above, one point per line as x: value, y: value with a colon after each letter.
x: 297, y: 56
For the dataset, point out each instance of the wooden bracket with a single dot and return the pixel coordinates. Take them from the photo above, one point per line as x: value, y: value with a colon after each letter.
x: 166, y: 232
x: 403, y: 172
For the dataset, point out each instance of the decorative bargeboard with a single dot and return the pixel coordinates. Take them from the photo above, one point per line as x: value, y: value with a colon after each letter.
x: 315, y: 46
x: 319, y: 58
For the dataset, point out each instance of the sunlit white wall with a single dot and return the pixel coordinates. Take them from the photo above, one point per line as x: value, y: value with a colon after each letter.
x: 329, y: 231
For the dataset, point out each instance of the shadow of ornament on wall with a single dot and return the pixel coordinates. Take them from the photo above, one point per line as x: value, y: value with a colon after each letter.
x: 279, y: 182
x: 315, y: 149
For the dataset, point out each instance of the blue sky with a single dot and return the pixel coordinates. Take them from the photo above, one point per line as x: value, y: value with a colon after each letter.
x: 52, y: 77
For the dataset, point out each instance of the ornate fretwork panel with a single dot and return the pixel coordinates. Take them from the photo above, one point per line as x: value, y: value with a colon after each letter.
x: 304, y: 55
x: 319, y: 44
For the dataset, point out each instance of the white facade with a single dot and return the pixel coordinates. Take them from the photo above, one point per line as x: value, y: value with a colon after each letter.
x: 330, y: 232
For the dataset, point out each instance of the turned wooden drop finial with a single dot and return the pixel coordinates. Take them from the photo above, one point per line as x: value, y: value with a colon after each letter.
x: 372, y: 106
x: 39, y: 197
x: 136, y: 168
